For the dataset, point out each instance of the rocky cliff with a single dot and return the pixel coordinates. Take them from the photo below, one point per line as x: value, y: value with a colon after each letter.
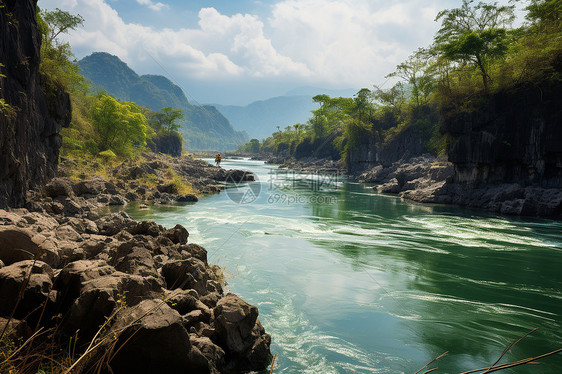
x: 515, y: 136
x: 505, y: 156
x: 29, y: 123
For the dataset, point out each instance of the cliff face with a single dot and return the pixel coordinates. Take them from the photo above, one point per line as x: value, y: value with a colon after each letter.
x: 514, y: 137
x: 29, y: 124
x: 371, y: 151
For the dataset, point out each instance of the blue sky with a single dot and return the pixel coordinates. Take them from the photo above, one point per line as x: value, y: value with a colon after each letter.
x: 239, y: 51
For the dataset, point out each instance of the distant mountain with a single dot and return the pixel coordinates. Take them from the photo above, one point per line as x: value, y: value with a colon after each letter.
x: 203, y: 128
x: 261, y: 118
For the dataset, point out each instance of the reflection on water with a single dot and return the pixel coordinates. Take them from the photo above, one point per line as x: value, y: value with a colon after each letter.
x: 348, y: 281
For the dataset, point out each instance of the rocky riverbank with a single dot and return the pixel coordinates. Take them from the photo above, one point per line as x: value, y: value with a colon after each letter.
x: 150, y: 178
x: 163, y: 305
x: 314, y: 165
x: 429, y: 180
x: 76, y: 269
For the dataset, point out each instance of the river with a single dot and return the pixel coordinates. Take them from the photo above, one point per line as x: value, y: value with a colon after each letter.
x: 349, y: 281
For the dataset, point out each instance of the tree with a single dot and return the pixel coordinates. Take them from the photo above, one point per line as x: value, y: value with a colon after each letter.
x: 545, y: 11
x: 166, y: 119
x: 59, y: 22
x: 56, y: 58
x: 394, y: 96
x: 254, y: 146
x: 363, y: 107
x: 120, y: 127
x: 474, y: 34
x: 415, y: 72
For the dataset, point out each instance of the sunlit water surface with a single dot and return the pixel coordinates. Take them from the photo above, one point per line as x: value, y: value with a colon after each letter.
x: 348, y: 281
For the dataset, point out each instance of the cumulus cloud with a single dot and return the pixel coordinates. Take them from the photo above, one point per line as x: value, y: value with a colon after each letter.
x: 331, y: 43
x: 154, y: 6
x: 353, y: 41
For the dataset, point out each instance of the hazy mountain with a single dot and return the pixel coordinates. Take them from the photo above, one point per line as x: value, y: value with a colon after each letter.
x: 203, y: 128
x: 261, y: 118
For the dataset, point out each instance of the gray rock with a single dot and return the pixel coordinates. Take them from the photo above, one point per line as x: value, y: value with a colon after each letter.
x: 239, y: 331
x: 145, y: 228
x: 36, y: 292
x: 186, y: 274
x: 114, y: 223
x: 178, y: 234
x: 152, y: 339
x: 195, y: 250
x: 234, y: 320
x: 58, y: 187
x: 17, y: 244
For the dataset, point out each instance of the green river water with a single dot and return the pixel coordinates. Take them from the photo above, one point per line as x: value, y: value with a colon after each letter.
x: 349, y: 281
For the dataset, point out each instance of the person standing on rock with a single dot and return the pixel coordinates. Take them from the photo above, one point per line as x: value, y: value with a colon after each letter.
x: 218, y: 159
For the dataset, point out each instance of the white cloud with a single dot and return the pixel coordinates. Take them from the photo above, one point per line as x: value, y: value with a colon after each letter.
x: 331, y: 43
x: 353, y: 41
x: 156, y: 7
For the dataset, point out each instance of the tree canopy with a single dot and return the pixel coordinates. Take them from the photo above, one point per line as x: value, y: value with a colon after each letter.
x: 120, y: 127
x: 474, y: 34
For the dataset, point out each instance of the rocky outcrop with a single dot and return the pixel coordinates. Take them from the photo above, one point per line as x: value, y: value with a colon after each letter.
x: 515, y: 136
x: 162, y: 305
x: 31, y: 114
x: 168, y: 142
x: 315, y: 166
x: 428, y: 180
x: 420, y: 178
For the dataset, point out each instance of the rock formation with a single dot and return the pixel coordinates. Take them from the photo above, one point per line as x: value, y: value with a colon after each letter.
x: 29, y: 123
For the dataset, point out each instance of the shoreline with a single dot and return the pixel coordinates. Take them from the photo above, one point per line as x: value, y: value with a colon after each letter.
x: 428, y: 179
x: 147, y: 281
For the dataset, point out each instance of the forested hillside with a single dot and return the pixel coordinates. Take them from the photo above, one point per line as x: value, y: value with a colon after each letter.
x: 476, y: 65
x: 202, y: 127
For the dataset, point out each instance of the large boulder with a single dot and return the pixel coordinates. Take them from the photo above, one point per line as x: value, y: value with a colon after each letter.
x: 18, y: 244
x: 239, y: 331
x: 186, y: 274
x: 113, y: 223
x: 152, y: 339
x: 27, y: 284
x: 58, y: 187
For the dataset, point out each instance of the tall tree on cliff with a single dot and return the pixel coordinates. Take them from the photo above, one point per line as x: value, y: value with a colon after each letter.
x: 56, y: 57
x: 474, y: 34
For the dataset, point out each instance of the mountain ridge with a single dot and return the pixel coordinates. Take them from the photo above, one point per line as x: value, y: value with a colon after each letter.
x: 203, y: 127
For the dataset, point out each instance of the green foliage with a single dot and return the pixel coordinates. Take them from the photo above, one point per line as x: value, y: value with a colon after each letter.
x: 415, y: 71
x: 474, y: 34
x: 120, y: 127
x: 545, y: 12
x: 57, y: 65
x: 166, y: 119
x: 108, y: 154
x: 253, y: 146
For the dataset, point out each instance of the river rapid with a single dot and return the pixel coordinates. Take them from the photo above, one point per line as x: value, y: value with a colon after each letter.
x: 349, y: 281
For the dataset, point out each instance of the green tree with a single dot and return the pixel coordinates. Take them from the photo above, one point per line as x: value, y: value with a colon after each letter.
x: 415, y: 71
x: 120, y: 127
x: 58, y: 22
x: 254, y: 146
x: 545, y: 11
x: 363, y: 106
x: 394, y: 97
x: 56, y: 57
x: 474, y: 34
x: 166, y: 119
